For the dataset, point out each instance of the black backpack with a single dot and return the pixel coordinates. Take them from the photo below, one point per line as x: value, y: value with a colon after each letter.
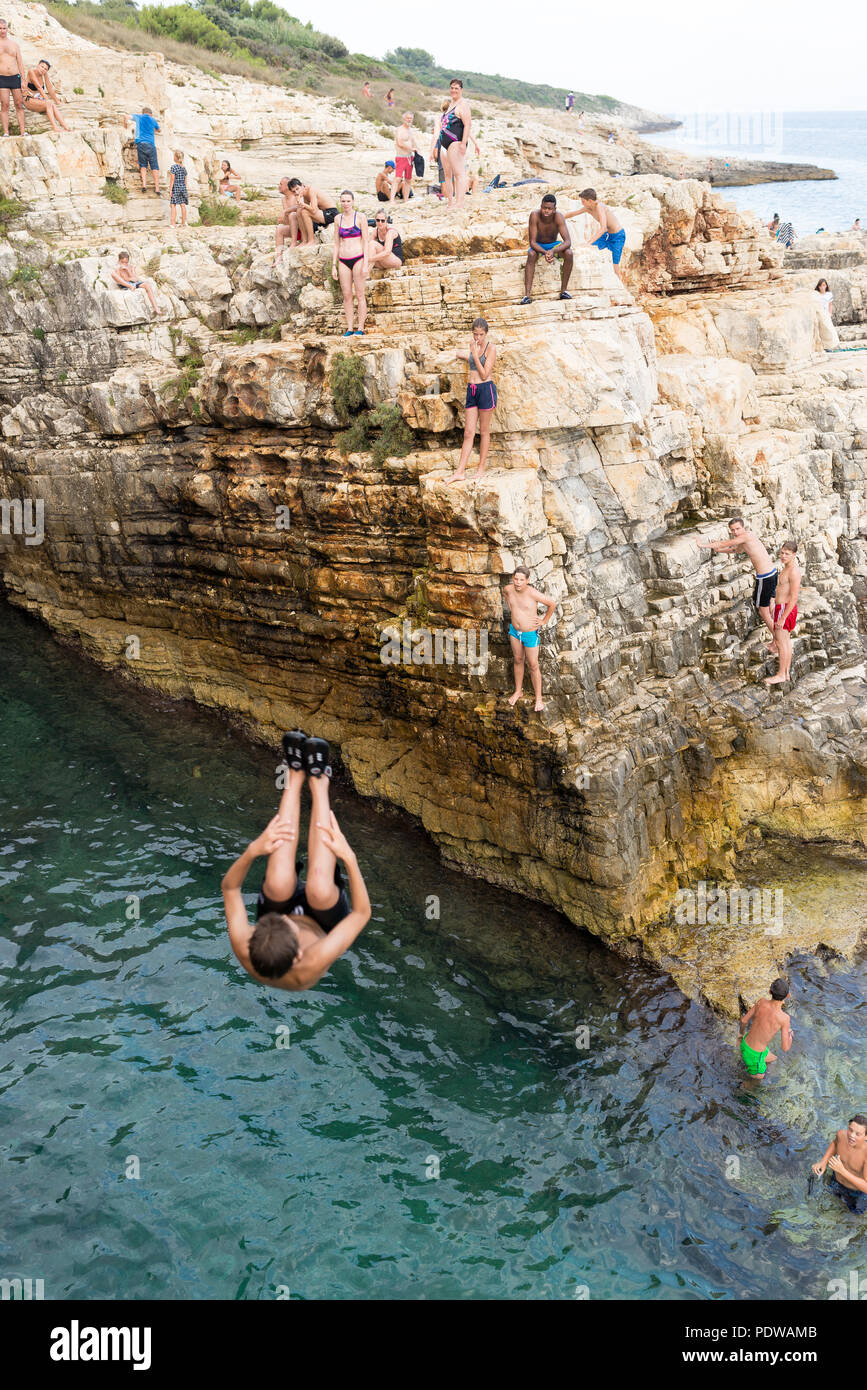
x: 418, y: 164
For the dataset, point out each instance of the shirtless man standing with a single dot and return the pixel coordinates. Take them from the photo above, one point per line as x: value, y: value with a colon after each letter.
x: 11, y: 78
x: 766, y: 572
x: 301, y: 928
x: 758, y: 1027
x: 549, y: 237
x: 613, y: 236
x: 785, y: 612
x: 404, y: 148
x: 524, y: 629
x: 316, y: 209
x: 846, y: 1156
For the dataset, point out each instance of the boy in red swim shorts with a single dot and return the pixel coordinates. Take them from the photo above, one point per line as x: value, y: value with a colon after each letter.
x: 785, y: 611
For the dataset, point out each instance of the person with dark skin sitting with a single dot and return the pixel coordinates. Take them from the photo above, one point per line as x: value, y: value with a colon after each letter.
x: 549, y: 237
x: 302, y: 927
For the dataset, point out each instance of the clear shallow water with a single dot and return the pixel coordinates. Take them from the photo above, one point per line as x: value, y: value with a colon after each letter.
x: 831, y: 139
x: 305, y: 1167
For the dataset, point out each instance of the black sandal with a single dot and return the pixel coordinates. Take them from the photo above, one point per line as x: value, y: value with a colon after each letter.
x: 293, y: 749
x: 316, y: 755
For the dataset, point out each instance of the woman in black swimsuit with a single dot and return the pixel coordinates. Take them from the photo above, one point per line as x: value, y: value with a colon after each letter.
x: 454, y: 134
x: 350, y: 261
x: 39, y: 95
x: 481, y: 399
x: 386, y: 248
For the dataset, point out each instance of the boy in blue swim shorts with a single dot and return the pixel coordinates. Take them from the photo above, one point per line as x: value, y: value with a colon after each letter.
x: 613, y: 236
x: 524, y: 629
x: 549, y: 237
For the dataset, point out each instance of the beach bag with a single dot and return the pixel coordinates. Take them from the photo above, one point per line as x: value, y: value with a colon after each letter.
x: 418, y: 164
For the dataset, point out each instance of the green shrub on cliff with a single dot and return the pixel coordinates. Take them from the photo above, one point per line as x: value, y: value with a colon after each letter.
x: 180, y: 386
x: 347, y: 386
x: 114, y: 191
x: 214, y: 213
x: 10, y: 210
x: 394, y: 440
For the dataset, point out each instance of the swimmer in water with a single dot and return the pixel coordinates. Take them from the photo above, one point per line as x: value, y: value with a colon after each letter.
x: 524, y: 629
x: 481, y: 399
x: 758, y: 1028
x: 302, y: 926
x: 846, y: 1156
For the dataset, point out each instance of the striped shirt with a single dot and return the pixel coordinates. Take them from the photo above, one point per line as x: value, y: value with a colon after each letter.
x: 786, y: 233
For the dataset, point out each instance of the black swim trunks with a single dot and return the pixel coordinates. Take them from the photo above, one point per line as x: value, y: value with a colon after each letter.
x: 326, y: 918
x: 855, y: 1201
x: 766, y: 587
x: 329, y: 214
x: 13, y: 83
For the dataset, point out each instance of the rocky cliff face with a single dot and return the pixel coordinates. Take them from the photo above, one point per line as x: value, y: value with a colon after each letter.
x: 206, y: 533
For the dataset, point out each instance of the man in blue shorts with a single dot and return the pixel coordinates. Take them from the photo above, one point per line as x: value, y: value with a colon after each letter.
x: 613, y: 236
x: 146, y: 127
x: 549, y: 237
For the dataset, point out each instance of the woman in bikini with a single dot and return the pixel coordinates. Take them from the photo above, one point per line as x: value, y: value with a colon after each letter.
x: 481, y: 398
x: 39, y: 95
x: 349, y: 265
x: 386, y: 248
x: 230, y: 182
x: 454, y: 134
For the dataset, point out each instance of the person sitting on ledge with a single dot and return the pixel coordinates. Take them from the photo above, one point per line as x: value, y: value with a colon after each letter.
x: 524, y: 629
x: 230, y: 182
x: 846, y: 1156
x: 124, y: 276
x: 302, y: 926
x: 317, y: 209
x: 41, y: 96
x: 549, y: 237
x: 613, y: 236
x: 384, y: 182
x: 385, y: 248
x: 742, y: 539
x: 288, y: 226
x: 760, y: 1025
x: 481, y: 399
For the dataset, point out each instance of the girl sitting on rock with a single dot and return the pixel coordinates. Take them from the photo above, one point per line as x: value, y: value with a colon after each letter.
x: 39, y: 95
x: 230, y: 182
x: 481, y: 398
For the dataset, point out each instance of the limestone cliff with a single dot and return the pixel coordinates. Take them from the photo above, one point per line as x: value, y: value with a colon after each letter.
x: 196, y: 500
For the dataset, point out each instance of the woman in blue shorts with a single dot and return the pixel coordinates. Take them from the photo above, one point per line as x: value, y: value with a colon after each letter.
x: 481, y: 398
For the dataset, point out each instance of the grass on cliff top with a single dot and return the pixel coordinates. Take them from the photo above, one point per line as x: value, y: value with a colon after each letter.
x: 214, y: 212
x: 263, y: 41
x: 10, y: 210
x: 115, y: 192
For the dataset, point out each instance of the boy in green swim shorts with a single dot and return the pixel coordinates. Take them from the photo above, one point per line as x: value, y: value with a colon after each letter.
x: 758, y: 1028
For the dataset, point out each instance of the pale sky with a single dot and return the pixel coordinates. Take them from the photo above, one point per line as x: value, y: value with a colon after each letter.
x: 680, y: 55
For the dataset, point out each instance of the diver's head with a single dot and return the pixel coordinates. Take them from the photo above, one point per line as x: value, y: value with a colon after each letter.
x: 275, y: 945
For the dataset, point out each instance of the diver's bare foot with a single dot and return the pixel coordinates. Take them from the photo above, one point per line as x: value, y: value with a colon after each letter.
x: 776, y: 680
x: 513, y: 699
x: 539, y: 706
x: 474, y: 477
x: 455, y: 478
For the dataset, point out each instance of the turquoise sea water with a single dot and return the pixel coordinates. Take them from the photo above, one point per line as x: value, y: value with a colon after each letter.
x: 831, y: 139
x: 634, y: 1167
